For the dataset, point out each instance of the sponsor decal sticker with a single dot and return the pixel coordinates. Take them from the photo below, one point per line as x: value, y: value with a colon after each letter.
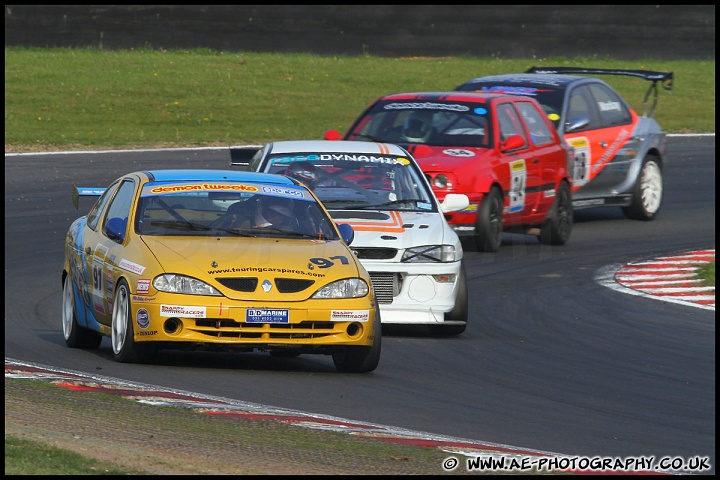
x: 343, y: 157
x: 138, y: 298
x: 142, y: 318
x: 582, y: 160
x: 427, y: 106
x: 131, y: 266
x: 609, y: 106
x: 459, y: 152
x: 284, y: 192
x: 199, y: 187
x: 267, y: 315
x: 518, y: 183
x: 143, y: 285
x: 182, y: 311
x: 349, y: 315
x: 584, y: 203
x: 512, y: 90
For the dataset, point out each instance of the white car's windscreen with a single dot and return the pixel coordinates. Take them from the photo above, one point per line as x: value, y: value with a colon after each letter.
x: 354, y: 181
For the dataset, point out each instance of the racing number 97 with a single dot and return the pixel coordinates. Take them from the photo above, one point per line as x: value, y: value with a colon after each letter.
x: 327, y: 263
x: 97, y: 278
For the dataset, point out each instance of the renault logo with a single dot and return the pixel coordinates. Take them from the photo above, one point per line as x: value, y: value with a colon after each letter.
x: 266, y: 285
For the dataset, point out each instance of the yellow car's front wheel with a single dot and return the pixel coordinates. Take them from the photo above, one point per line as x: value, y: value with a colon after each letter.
x: 125, y: 350
x: 355, y: 359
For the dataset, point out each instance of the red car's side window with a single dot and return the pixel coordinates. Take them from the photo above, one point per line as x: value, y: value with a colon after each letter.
x: 509, y: 122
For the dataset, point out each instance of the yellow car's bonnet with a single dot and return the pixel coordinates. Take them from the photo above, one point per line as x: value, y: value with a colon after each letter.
x: 215, y: 258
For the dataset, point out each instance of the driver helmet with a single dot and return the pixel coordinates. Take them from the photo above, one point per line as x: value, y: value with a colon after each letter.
x: 305, y: 176
x: 235, y: 215
x: 272, y: 211
x: 417, y: 126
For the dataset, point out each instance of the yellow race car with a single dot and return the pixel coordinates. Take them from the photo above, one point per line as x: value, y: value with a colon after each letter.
x: 179, y: 259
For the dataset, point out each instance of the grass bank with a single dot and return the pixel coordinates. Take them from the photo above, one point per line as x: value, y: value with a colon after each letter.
x: 58, y: 431
x: 63, y: 99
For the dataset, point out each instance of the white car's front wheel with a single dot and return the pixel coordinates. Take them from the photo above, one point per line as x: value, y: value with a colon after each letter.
x: 459, y: 311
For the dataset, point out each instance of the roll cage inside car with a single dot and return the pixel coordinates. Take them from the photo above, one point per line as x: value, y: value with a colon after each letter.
x: 665, y: 78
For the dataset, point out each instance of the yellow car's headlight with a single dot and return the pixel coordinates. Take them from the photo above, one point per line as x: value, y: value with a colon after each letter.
x: 345, y: 288
x: 173, y: 283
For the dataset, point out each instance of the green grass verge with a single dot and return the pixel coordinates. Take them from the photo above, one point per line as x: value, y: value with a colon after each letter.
x: 54, y: 430
x: 27, y: 457
x: 80, y: 98
x: 707, y: 273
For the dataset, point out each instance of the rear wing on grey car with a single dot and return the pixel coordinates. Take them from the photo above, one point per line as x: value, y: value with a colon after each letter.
x: 241, y: 155
x: 665, y: 78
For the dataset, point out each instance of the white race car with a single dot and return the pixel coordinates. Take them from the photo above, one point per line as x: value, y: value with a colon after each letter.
x: 401, y: 236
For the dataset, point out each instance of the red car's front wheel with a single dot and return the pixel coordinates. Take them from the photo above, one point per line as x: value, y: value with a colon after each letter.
x: 489, y: 223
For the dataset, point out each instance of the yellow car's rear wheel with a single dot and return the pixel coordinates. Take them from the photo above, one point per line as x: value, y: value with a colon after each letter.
x: 75, y: 335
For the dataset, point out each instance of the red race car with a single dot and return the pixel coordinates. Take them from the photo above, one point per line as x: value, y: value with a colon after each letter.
x: 499, y: 150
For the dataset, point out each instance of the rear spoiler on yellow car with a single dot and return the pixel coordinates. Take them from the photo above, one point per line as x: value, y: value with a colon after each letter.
x: 665, y: 78
x: 85, y: 192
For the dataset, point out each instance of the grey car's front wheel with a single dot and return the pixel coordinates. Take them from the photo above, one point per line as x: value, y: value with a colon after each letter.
x: 125, y: 350
x: 648, y: 192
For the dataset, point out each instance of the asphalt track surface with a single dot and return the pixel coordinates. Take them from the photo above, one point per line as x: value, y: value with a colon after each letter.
x: 552, y: 359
